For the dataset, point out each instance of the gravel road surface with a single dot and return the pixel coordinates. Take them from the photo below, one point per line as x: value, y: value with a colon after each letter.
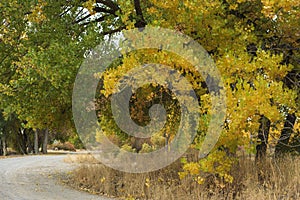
x: 33, y: 178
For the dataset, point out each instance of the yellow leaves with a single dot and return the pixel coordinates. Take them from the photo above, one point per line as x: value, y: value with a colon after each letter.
x: 37, y: 14
x: 152, y: 10
x: 233, y: 63
x: 192, y: 168
x: 200, y: 180
x: 233, y: 6
x: 6, y: 90
x: 182, y: 175
x: 146, y: 148
x: 166, y: 4
x: 112, y: 76
x: 127, y: 10
x: 90, y: 5
x: 24, y: 36
x: 271, y: 65
x: 102, y: 180
x: 228, y: 178
x: 253, y: 89
x: 192, y: 5
x: 216, y: 162
x: 271, y: 7
x: 135, y: 60
x: 128, y: 148
x: 268, y: 6
x: 206, y: 103
x: 297, y: 126
x: 147, y: 182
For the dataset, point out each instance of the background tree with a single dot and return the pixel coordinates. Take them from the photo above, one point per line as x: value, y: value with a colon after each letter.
x: 42, y: 46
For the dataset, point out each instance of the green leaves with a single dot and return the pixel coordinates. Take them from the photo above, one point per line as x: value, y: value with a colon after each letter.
x: 41, y: 52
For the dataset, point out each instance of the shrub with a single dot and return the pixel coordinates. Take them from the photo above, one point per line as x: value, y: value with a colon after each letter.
x: 67, y: 146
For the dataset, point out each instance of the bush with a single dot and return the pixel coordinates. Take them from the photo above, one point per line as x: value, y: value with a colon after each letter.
x: 75, y: 140
x: 67, y: 146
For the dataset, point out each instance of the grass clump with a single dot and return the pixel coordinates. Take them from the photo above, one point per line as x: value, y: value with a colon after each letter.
x: 281, y: 181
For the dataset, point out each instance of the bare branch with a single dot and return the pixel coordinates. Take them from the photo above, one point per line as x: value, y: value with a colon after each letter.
x: 104, y: 10
x: 100, y: 19
x: 82, y: 19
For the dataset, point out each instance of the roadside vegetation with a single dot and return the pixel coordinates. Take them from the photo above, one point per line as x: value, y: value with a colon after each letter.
x: 281, y: 181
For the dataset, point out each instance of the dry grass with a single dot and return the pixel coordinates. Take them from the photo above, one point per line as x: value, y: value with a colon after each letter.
x: 281, y: 181
x: 81, y: 158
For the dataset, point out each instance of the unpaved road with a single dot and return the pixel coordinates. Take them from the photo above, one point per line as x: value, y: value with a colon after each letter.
x: 31, y: 178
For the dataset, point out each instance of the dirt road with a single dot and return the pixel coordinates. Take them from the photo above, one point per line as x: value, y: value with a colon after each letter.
x: 33, y: 178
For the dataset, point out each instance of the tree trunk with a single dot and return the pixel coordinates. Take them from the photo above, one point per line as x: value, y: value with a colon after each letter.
x: 22, y: 141
x: 282, y: 144
x: 140, y: 21
x: 263, y: 135
x: 1, y: 147
x: 45, y: 142
x: 36, y: 142
x: 29, y: 140
x: 4, y: 147
x: 261, y: 148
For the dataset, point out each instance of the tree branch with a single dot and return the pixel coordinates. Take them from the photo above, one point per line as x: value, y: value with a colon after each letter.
x: 82, y: 19
x: 110, y: 32
x: 109, y: 4
x: 104, y: 10
x: 100, y: 19
x: 140, y: 22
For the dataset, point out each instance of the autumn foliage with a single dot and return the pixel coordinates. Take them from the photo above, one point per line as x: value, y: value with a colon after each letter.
x: 254, y: 44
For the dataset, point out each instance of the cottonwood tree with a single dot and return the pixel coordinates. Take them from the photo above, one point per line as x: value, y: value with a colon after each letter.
x: 42, y: 46
x: 255, y: 45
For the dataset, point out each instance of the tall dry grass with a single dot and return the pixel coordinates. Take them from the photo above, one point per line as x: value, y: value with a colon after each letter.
x: 281, y: 181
